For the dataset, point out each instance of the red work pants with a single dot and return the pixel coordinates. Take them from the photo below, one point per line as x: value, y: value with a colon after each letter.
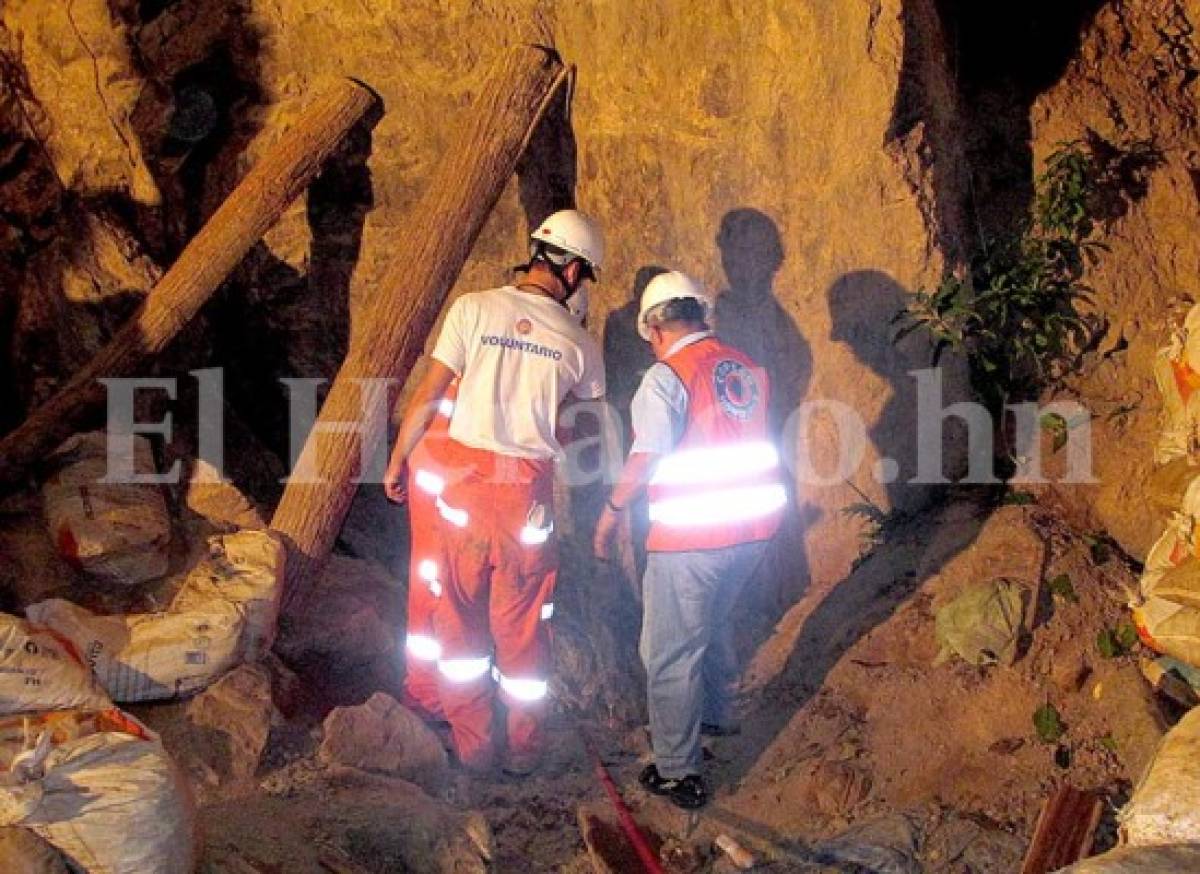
x: 426, y: 569
x: 492, y: 620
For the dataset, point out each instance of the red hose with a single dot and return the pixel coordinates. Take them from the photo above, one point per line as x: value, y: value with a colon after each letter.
x: 628, y: 825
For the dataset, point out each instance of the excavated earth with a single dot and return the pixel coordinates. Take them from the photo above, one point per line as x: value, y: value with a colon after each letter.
x: 815, y: 164
x: 855, y: 745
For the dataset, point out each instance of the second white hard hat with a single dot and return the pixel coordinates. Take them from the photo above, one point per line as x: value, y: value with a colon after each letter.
x: 671, y: 285
x: 573, y: 232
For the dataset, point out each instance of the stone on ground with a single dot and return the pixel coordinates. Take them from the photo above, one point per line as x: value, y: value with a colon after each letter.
x: 342, y: 819
x: 24, y: 852
x: 383, y: 735
x: 349, y: 635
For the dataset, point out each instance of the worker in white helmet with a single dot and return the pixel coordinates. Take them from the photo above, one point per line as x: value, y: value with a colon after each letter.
x: 702, y: 454
x: 517, y: 352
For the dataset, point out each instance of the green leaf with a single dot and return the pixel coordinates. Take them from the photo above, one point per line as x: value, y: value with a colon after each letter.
x: 1127, y: 636
x: 1100, y: 547
x: 1061, y: 586
x: 1109, y: 743
x: 1106, y: 643
x: 1048, y: 724
x: 1018, y: 499
x: 1120, y: 641
x: 864, y: 510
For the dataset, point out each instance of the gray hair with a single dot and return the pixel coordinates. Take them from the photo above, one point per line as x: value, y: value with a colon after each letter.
x: 682, y: 310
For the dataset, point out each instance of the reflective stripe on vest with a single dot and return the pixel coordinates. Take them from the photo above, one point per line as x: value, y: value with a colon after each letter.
x: 716, y: 464
x: 719, y: 507
x: 722, y: 485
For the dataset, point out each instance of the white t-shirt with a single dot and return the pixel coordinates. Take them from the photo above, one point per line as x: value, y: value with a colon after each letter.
x: 517, y: 356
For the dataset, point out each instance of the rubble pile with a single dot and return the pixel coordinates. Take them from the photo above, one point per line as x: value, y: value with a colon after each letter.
x: 182, y: 585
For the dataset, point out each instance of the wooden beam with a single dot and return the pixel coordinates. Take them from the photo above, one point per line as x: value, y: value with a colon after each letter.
x: 431, y: 248
x: 256, y: 204
x: 1064, y: 832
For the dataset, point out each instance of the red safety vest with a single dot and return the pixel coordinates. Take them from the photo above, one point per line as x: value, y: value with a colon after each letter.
x: 721, y: 485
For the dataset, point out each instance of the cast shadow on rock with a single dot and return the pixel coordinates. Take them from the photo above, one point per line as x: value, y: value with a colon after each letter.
x: 627, y: 357
x: 862, y: 304
x: 923, y: 539
x: 278, y: 322
x: 750, y: 317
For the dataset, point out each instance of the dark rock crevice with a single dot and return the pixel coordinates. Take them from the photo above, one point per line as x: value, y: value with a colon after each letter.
x: 971, y: 73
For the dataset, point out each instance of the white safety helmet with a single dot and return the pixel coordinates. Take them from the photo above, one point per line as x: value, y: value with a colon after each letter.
x: 668, y: 286
x: 573, y: 233
x: 577, y: 305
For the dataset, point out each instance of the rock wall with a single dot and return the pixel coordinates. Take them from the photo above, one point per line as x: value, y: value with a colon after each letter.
x: 1134, y: 79
x: 753, y: 147
x: 814, y: 163
x: 797, y: 157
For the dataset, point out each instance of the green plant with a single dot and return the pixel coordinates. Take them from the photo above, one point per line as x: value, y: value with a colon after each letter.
x: 874, y: 519
x: 1058, y: 429
x: 1100, y: 547
x: 1061, y: 587
x: 878, y: 523
x: 1048, y: 724
x: 1013, y: 310
x: 1119, y: 641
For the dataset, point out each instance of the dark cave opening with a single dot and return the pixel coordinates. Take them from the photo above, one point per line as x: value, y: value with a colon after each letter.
x: 205, y: 99
x: 148, y: 10
x: 1001, y: 58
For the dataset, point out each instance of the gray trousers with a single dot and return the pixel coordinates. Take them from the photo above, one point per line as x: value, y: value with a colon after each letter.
x: 687, y: 647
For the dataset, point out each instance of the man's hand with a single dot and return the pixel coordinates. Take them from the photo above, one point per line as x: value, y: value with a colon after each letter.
x: 606, y: 530
x: 421, y: 408
x: 395, y: 482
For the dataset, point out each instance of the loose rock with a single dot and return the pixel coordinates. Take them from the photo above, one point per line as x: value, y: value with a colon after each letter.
x: 23, y: 852
x: 230, y: 722
x: 351, y: 631
x: 383, y: 735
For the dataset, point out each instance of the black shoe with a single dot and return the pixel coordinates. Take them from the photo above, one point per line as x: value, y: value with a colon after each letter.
x: 686, y: 792
x: 709, y: 729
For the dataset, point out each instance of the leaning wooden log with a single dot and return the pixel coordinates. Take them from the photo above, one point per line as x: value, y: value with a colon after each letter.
x: 241, y: 220
x: 431, y: 250
x: 1064, y: 832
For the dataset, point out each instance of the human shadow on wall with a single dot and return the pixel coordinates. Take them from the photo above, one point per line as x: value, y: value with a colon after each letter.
x: 861, y: 305
x: 750, y: 317
x: 627, y: 357
x: 596, y: 617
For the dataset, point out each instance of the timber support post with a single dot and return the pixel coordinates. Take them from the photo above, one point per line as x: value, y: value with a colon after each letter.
x: 254, y: 206
x: 431, y: 250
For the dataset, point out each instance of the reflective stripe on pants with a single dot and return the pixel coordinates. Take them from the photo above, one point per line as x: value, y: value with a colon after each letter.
x: 493, y: 595
x: 425, y: 560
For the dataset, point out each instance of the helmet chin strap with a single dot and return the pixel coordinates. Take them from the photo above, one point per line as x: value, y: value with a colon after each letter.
x: 559, y: 274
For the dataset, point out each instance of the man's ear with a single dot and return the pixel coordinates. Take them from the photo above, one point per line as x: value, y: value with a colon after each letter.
x: 571, y: 272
